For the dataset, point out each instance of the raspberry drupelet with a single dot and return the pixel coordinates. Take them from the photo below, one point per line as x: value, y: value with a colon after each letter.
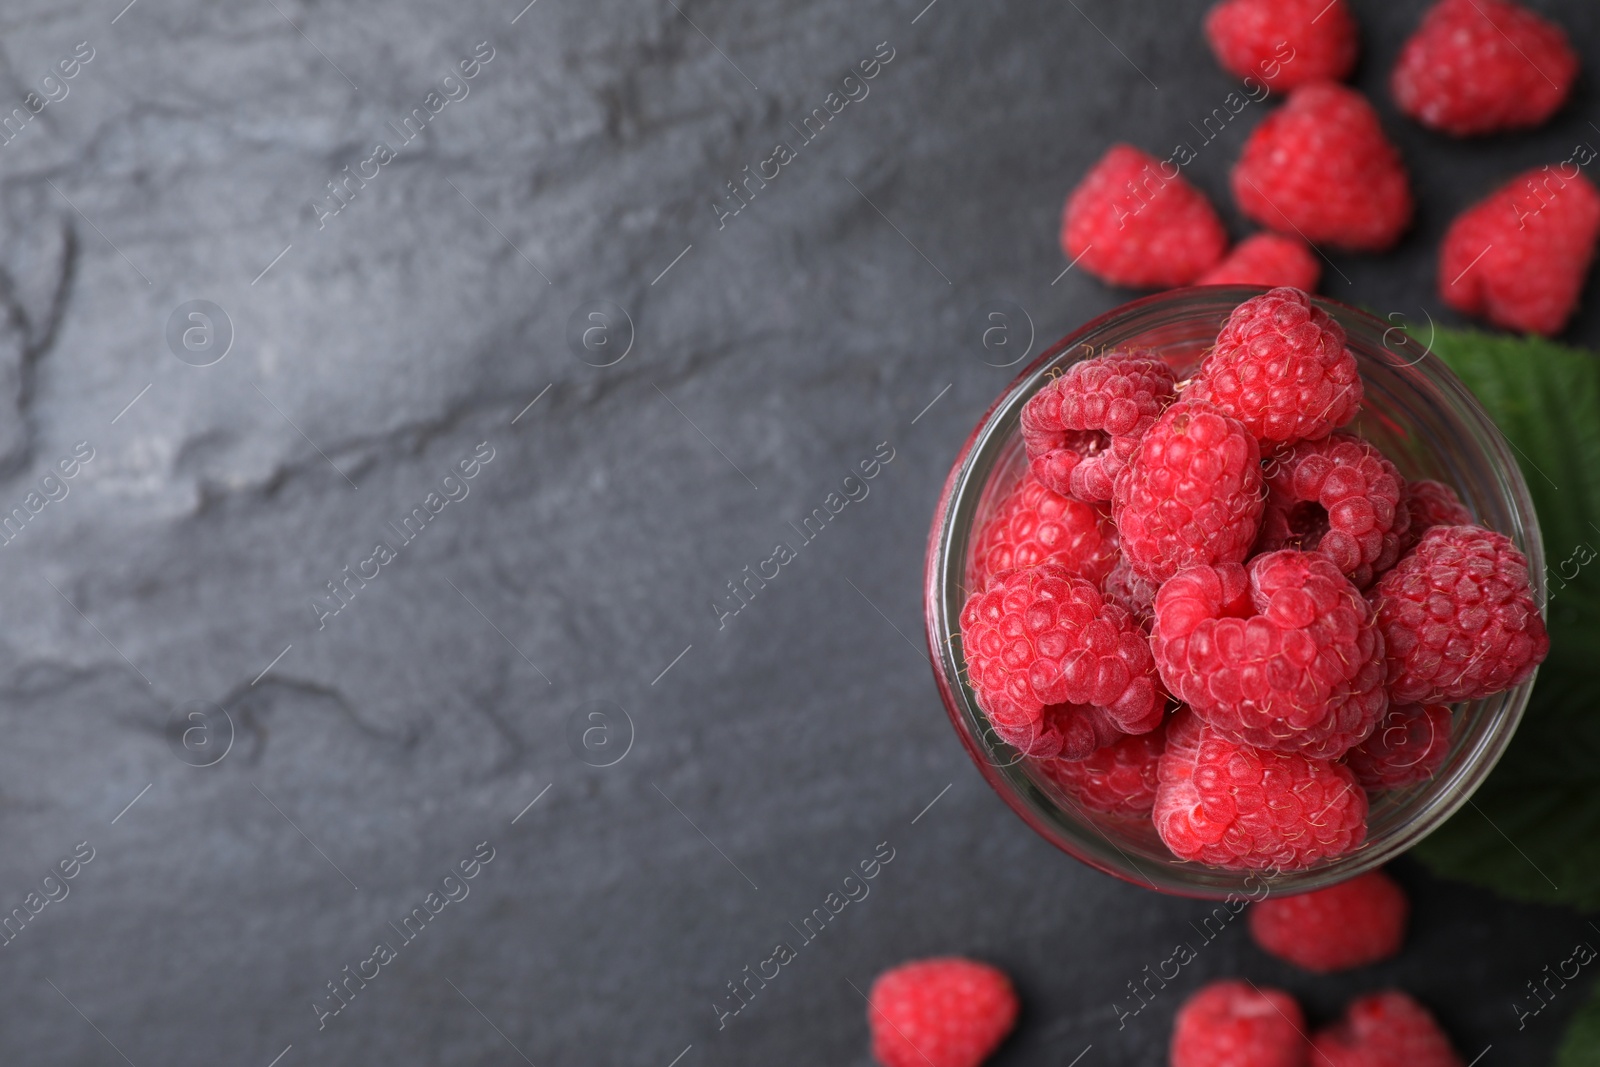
x: 1081, y: 429
x: 1281, y: 654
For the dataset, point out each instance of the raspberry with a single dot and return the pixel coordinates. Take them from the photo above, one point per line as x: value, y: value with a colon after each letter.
x: 1384, y: 1030
x: 1042, y: 637
x: 1135, y: 595
x: 1081, y: 428
x: 941, y: 1012
x: 1058, y: 731
x: 1348, y: 925
x: 1519, y: 257
x: 1190, y: 494
x: 1268, y: 259
x: 1119, y: 779
x: 1034, y: 525
x: 1235, y: 1024
x: 1408, y: 747
x: 1481, y: 66
x: 1282, y: 655
x: 1458, y: 618
x: 1280, y: 366
x: 1245, y: 808
x: 1341, y: 498
x: 1297, y: 41
x: 1320, y: 167
x: 1431, y: 504
x: 1131, y: 225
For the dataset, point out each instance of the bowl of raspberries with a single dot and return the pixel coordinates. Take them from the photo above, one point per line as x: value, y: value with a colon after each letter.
x: 1234, y: 584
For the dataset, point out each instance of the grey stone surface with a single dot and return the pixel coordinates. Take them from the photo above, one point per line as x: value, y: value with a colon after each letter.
x: 371, y: 354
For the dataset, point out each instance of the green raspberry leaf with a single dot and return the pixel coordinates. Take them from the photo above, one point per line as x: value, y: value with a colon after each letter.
x: 1581, y: 1047
x: 1531, y: 831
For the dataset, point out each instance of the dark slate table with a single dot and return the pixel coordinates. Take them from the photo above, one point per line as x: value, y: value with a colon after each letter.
x: 396, y: 267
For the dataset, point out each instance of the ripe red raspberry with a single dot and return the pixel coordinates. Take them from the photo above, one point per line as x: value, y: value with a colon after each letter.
x: 1519, y: 257
x: 1280, y: 366
x: 1042, y: 637
x: 1266, y: 259
x: 1481, y: 66
x: 1190, y: 494
x: 1320, y: 168
x: 1348, y: 925
x: 1135, y: 595
x: 1458, y: 618
x: 1236, y: 1024
x: 1034, y: 525
x: 1431, y: 504
x: 1282, y: 655
x: 1283, y: 43
x: 1058, y: 731
x: 1384, y: 1030
x: 1244, y: 808
x: 941, y: 1012
x: 1119, y: 779
x: 1340, y: 498
x: 1130, y: 224
x: 1081, y: 428
x: 1408, y: 747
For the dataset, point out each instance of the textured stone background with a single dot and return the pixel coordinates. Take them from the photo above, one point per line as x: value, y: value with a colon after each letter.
x: 421, y: 320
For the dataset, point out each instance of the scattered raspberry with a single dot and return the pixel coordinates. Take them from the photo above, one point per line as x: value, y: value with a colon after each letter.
x: 1034, y: 525
x: 1042, y: 637
x: 1408, y: 747
x: 1284, y: 43
x: 1341, y: 498
x: 1458, y: 618
x: 1320, y: 168
x: 1481, y: 66
x: 1235, y: 1024
x: 1266, y: 259
x: 1384, y: 1030
x: 1431, y: 504
x: 1280, y: 366
x: 1282, y: 655
x: 1190, y: 494
x: 1348, y: 925
x: 1519, y: 257
x: 1129, y: 224
x: 1245, y: 808
x: 1135, y: 595
x: 1081, y: 429
x: 1119, y: 779
x: 942, y: 1012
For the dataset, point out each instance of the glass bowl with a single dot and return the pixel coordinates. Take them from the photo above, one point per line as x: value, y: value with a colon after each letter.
x: 1415, y: 410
